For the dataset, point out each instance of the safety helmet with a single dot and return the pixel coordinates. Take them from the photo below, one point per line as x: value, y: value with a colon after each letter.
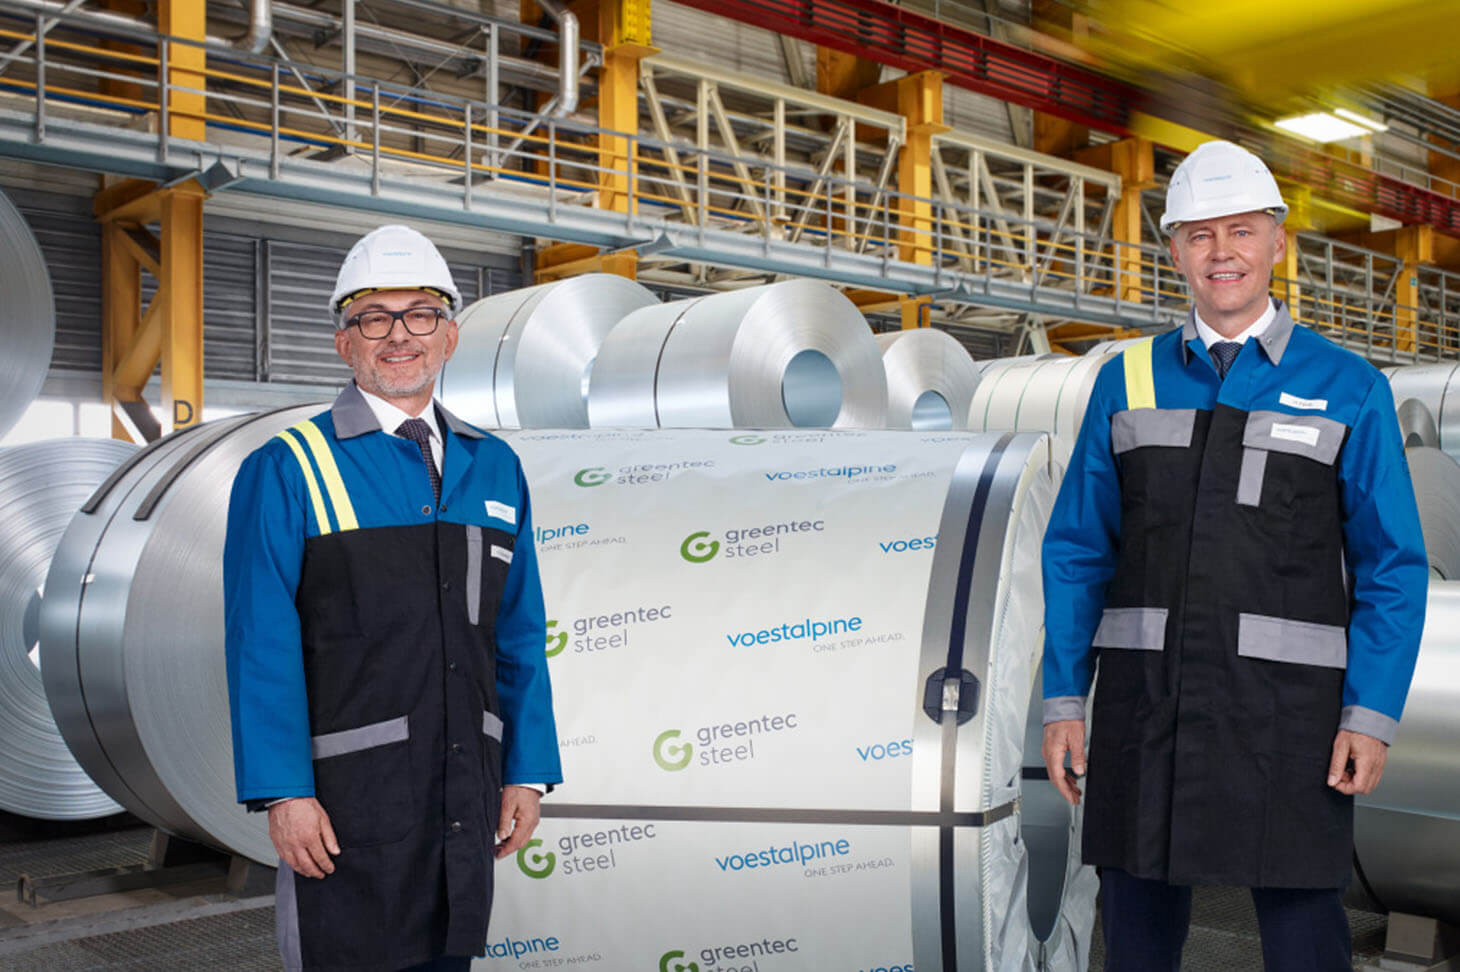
x: 1220, y: 179
x: 392, y: 258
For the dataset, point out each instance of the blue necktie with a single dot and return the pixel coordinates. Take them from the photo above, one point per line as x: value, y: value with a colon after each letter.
x: 420, y: 433
x: 1223, y: 354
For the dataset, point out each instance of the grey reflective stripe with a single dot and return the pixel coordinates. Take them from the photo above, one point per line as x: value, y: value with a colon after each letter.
x: 1140, y: 628
x: 1311, y: 436
x: 473, y: 573
x: 1139, y: 427
x: 1063, y: 708
x: 1296, y: 642
x: 502, y: 554
x: 492, y: 726
x: 366, y: 737
x: 1356, y: 718
x: 1249, y: 479
x: 286, y: 918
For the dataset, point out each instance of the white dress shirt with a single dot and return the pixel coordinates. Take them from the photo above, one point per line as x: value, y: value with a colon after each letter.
x: 1209, y: 336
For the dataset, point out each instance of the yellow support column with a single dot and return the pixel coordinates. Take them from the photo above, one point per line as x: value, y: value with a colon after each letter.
x: 1415, y: 245
x: 185, y: 20
x: 121, y: 313
x: 1134, y: 160
x: 182, y: 322
x: 624, y: 31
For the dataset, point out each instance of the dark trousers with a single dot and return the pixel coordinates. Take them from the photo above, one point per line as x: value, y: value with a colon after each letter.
x: 447, y: 963
x: 1145, y: 922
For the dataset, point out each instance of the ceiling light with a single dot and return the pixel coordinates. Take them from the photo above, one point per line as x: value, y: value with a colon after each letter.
x: 1320, y: 126
x: 1357, y: 119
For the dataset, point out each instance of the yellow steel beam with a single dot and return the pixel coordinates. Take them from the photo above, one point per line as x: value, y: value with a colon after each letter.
x: 185, y: 20
x: 916, y: 312
x: 182, y: 282
x: 121, y: 298
x: 563, y: 260
x: 141, y: 357
x: 131, y: 201
x: 145, y: 248
x: 1134, y: 160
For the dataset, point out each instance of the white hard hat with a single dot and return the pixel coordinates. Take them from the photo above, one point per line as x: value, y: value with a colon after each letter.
x: 1220, y: 179
x: 392, y: 258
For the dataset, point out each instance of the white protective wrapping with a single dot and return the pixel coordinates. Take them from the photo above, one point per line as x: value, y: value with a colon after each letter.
x: 794, y: 354
x: 867, y: 519
x: 1045, y: 394
x: 27, y: 316
x: 41, y: 485
x: 526, y: 357
x: 930, y: 380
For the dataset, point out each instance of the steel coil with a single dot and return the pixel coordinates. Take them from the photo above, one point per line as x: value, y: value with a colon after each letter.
x: 41, y: 486
x: 1436, y: 479
x: 1407, y: 833
x: 795, y: 354
x: 930, y: 379
x: 1046, y: 394
x: 758, y: 594
x: 1437, y: 389
x: 132, y: 634
x: 525, y: 357
x: 28, y: 319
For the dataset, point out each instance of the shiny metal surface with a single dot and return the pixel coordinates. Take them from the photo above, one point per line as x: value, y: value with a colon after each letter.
x: 1407, y: 833
x: 526, y: 357
x: 1417, y: 424
x: 930, y: 379
x: 41, y: 486
x: 1436, y: 479
x: 27, y: 316
x: 132, y: 635
x: 739, y: 360
x: 1437, y: 388
x: 1045, y: 394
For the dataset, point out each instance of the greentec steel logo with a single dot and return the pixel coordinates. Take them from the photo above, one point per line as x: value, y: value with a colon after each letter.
x: 698, y: 548
x: 592, y: 476
x: 748, y: 439
x: 669, y: 962
x: 555, y: 642
x: 538, y: 865
x: 670, y: 755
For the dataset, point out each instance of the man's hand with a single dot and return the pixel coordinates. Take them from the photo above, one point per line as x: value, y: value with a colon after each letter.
x: 521, y: 810
x: 301, y: 832
x: 1066, y: 736
x: 1357, y: 763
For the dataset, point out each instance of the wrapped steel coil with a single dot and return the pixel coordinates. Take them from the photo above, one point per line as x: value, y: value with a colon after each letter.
x: 1046, y: 394
x: 930, y: 379
x: 525, y: 356
x: 28, y: 318
x: 132, y: 634
x: 41, y: 486
x: 1435, y: 393
x: 795, y: 354
x: 798, y: 714
x: 1407, y: 833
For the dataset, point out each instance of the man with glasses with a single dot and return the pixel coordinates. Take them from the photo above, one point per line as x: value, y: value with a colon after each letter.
x: 385, y: 629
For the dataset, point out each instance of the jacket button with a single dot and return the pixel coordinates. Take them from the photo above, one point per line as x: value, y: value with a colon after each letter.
x: 446, y: 585
x: 456, y: 826
x: 451, y: 666
x: 442, y: 507
x: 456, y: 747
x: 425, y: 511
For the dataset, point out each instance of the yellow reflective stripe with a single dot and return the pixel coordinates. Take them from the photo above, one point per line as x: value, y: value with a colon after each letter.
x: 325, y: 459
x: 1140, y: 380
x: 317, y: 500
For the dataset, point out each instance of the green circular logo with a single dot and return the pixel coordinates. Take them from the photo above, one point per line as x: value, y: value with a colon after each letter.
x: 555, y: 642
x: 592, y: 476
x: 540, y: 865
x: 698, y: 548
x: 670, y: 755
x: 668, y: 962
x: 748, y: 439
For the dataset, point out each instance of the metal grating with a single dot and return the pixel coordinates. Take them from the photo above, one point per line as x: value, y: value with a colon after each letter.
x: 240, y: 941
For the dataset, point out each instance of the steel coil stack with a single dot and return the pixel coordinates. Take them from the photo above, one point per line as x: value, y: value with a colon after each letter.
x: 41, y: 486
x: 27, y: 316
x: 1044, y: 394
x: 930, y: 380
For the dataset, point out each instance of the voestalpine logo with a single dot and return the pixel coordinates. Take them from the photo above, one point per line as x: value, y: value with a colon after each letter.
x: 748, y: 440
x: 555, y: 642
x: 670, y: 962
x: 592, y: 476
x: 698, y: 548
x: 669, y: 754
x: 536, y: 865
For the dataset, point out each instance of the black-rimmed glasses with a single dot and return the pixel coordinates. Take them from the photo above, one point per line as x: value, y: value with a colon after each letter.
x: 376, y: 325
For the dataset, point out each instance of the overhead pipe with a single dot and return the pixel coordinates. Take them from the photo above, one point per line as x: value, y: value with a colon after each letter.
x: 567, y: 56
x: 260, y: 27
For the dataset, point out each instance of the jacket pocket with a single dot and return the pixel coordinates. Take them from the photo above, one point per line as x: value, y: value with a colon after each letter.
x: 362, y: 778
x: 1293, y: 642
x: 1138, y: 628
x: 1311, y: 437
x: 1137, y: 428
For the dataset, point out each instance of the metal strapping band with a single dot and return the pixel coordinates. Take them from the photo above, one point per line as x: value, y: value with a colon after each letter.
x: 325, y: 459
x: 1140, y: 379
x: 315, y: 499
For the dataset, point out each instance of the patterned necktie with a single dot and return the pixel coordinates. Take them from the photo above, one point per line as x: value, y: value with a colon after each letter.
x: 420, y: 433
x: 1223, y: 354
